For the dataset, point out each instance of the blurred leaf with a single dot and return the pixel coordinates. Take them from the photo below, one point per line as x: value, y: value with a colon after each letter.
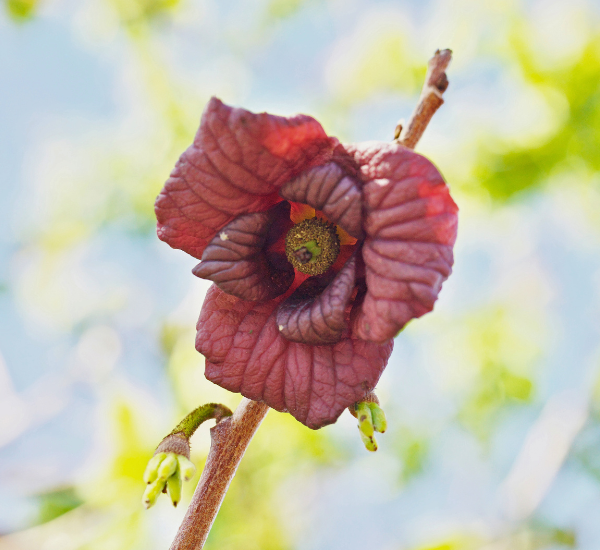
x: 282, y: 9
x: 495, y: 388
x: 414, y: 458
x: 456, y: 542
x: 515, y: 387
x: 504, y: 354
x: 21, y: 10
x: 381, y: 65
x: 169, y: 337
x: 539, y: 536
x: 505, y: 168
x: 131, y: 460
x: 57, y: 503
x: 534, y: 537
x: 412, y: 450
x: 138, y: 12
x: 564, y: 537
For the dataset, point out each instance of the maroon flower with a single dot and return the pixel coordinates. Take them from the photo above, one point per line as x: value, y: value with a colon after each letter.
x: 304, y: 309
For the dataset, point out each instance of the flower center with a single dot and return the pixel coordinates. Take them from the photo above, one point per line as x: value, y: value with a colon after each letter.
x: 312, y: 246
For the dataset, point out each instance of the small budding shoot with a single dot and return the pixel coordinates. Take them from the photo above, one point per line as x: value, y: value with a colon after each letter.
x: 166, y: 471
x: 371, y: 419
x: 167, y: 467
x: 187, y: 469
x: 151, y: 473
x: 174, y: 488
x: 170, y: 465
x: 152, y: 491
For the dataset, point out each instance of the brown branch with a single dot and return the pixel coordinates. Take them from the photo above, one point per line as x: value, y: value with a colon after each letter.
x: 229, y: 440
x: 430, y: 101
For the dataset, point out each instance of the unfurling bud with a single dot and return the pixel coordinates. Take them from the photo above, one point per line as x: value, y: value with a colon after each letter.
x: 371, y: 419
x: 167, y: 467
x: 369, y: 442
x: 170, y: 462
x: 152, y: 491
x: 163, y: 473
x: 151, y: 473
x: 174, y: 488
x: 365, y: 419
x: 379, y: 419
x: 187, y: 468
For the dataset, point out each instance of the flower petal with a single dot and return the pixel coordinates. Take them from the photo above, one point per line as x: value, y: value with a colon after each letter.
x: 235, y: 259
x: 316, y: 312
x: 410, y: 225
x: 329, y: 189
x: 245, y: 352
x: 237, y: 164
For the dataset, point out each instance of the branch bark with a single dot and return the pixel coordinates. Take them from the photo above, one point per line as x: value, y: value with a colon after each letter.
x: 430, y: 101
x: 229, y: 440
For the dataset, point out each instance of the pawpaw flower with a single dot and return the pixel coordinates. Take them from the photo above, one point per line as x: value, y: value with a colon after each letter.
x: 319, y: 252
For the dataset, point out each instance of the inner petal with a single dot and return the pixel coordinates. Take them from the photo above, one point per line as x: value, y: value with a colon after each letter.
x: 312, y: 315
x: 300, y: 212
x: 330, y: 189
x: 236, y: 260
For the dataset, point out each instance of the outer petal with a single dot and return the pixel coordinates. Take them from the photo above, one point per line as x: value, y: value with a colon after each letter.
x: 237, y: 164
x: 246, y: 353
x: 410, y: 225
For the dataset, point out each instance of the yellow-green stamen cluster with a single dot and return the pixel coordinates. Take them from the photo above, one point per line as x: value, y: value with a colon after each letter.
x: 312, y: 246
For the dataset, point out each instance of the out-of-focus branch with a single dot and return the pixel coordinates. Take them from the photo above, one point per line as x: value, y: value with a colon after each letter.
x: 229, y: 440
x: 543, y: 453
x: 430, y: 101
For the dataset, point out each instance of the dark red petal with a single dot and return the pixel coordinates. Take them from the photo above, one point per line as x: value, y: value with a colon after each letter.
x: 410, y: 225
x: 245, y: 352
x: 236, y: 165
x: 329, y: 189
x: 316, y: 312
x: 235, y: 259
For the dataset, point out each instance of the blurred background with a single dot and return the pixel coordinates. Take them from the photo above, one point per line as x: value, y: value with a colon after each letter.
x: 493, y: 400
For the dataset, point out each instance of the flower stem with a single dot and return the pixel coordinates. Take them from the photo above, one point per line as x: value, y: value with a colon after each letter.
x: 229, y: 440
x: 203, y: 413
x: 430, y: 101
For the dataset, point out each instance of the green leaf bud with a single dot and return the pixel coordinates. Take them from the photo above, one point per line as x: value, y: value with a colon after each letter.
x: 187, y: 468
x: 365, y: 419
x: 167, y: 467
x: 151, y: 493
x: 369, y: 442
x: 151, y: 472
x: 378, y: 416
x: 174, y: 487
